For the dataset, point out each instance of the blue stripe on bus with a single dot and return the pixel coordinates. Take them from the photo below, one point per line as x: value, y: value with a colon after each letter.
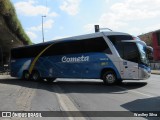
x: 52, y: 66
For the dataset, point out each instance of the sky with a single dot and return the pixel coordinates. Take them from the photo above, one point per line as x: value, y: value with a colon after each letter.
x: 66, y: 18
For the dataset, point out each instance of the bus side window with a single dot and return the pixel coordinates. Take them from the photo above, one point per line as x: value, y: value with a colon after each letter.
x: 69, y: 47
x: 79, y: 46
x: 75, y: 47
x: 97, y: 45
x: 55, y: 49
x: 130, y: 52
x: 120, y: 49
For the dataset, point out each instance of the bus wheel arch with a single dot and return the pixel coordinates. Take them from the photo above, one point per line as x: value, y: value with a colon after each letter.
x: 50, y: 80
x: 26, y: 75
x: 109, y: 77
x: 35, y: 75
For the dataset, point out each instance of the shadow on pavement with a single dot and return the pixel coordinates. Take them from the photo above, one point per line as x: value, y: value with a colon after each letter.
x: 88, y: 86
x: 147, y: 105
x: 133, y: 85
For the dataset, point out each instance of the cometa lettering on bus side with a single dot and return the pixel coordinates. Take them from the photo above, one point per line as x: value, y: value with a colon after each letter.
x: 75, y: 59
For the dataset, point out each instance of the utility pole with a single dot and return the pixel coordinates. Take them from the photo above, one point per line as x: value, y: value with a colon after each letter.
x: 42, y: 29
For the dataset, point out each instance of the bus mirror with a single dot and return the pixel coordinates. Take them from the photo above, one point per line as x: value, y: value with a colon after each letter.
x: 150, y: 52
x: 150, y: 57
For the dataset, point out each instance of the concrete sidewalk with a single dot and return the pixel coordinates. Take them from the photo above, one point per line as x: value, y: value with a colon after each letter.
x: 157, y: 72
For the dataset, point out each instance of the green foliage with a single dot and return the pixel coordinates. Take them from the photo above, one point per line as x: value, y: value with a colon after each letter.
x: 8, y: 12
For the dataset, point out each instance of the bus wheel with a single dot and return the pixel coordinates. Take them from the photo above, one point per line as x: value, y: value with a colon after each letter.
x: 26, y: 75
x: 109, y: 78
x: 36, y: 76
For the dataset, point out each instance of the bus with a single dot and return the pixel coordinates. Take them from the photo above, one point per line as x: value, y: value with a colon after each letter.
x: 109, y: 56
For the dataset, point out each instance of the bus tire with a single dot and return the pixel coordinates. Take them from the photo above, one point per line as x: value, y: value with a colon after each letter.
x: 36, y: 76
x: 109, y: 78
x: 26, y: 75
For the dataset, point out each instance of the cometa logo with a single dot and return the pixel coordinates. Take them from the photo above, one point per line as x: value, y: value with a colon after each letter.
x: 75, y: 59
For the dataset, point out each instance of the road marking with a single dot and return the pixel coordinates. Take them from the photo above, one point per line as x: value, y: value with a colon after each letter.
x: 66, y: 103
x: 134, y: 91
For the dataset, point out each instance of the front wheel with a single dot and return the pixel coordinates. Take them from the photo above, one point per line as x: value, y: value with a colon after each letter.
x: 109, y: 78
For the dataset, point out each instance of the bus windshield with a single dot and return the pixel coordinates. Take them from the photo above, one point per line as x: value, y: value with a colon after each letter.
x: 143, y: 54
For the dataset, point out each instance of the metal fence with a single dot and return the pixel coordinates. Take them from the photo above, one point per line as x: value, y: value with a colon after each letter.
x: 155, y: 65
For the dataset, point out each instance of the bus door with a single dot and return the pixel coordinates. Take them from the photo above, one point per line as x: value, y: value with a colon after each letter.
x: 129, y: 70
x: 129, y: 65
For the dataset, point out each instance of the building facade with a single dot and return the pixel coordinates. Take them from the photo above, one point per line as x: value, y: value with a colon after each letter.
x: 153, y: 39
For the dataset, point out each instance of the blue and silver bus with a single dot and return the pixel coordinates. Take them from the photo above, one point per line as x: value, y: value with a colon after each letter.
x: 110, y: 56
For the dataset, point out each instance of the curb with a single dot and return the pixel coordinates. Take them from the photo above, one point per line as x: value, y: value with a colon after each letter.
x: 156, y: 73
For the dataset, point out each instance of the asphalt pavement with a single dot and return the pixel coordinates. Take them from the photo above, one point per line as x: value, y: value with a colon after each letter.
x: 81, y: 95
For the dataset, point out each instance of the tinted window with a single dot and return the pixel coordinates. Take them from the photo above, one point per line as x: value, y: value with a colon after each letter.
x: 27, y: 52
x: 130, y: 52
x: 118, y: 38
x: 97, y: 45
x: 120, y: 48
x: 75, y: 47
x: 68, y: 47
x: 79, y: 46
x: 71, y: 47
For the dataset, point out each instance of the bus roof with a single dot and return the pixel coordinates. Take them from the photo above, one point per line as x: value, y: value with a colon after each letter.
x: 86, y: 36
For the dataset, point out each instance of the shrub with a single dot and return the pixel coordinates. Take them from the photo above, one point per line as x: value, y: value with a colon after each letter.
x: 8, y: 12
